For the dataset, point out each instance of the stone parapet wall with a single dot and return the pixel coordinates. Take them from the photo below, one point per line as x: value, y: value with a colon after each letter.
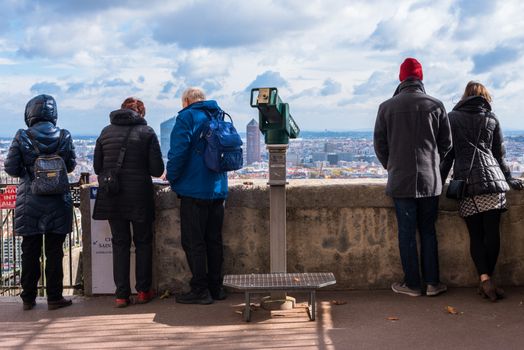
x: 347, y: 227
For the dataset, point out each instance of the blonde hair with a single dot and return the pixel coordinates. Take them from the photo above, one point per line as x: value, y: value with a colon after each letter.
x: 474, y: 88
x: 193, y: 94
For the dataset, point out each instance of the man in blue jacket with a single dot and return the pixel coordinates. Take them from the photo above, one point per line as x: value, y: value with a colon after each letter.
x: 202, y: 193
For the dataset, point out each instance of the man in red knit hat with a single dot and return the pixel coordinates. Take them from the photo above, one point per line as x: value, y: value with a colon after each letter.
x: 412, y: 134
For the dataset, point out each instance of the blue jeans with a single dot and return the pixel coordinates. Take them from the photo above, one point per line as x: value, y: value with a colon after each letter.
x: 421, y: 214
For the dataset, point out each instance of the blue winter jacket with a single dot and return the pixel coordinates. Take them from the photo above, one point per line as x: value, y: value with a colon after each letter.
x: 186, y: 171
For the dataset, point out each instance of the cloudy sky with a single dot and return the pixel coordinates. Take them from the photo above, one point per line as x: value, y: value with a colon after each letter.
x: 333, y: 61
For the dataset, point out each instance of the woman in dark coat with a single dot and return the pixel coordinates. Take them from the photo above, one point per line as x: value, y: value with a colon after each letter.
x: 39, y: 215
x: 134, y: 203
x: 488, y: 179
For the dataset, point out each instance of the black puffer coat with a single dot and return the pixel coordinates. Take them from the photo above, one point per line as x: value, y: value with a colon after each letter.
x: 412, y: 135
x: 489, y: 171
x: 143, y: 159
x: 35, y: 214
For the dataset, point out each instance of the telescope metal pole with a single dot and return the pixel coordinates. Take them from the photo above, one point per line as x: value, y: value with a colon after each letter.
x: 277, y: 223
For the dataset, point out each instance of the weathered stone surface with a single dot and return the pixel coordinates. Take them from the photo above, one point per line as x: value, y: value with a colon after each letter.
x: 347, y: 227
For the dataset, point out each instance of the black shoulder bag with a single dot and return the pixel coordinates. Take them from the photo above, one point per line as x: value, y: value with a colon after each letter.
x: 108, y: 182
x: 458, y: 188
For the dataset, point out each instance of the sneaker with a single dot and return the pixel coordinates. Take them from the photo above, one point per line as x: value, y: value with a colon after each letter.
x: 120, y: 303
x: 57, y: 304
x: 436, y: 289
x: 29, y: 305
x: 402, y: 288
x: 145, y: 297
x: 218, y: 294
x: 195, y: 297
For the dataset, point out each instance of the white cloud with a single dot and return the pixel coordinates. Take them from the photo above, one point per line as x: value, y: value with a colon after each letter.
x: 334, y: 58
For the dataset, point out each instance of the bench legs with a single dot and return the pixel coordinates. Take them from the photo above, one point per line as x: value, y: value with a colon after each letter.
x: 312, y: 305
x: 247, y: 308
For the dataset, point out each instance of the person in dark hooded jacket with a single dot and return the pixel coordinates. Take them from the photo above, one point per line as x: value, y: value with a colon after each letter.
x: 478, y: 157
x: 412, y: 134
x: 134, y: 204
x: 39, y: 215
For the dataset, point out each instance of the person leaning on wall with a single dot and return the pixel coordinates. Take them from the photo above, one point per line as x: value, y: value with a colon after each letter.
x: 202, y: 194
x: 478, y: 157
x: 412, y: 134
x: 38, y: 218
x: 133, y: 204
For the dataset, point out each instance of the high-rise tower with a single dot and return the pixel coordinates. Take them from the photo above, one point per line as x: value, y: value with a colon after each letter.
x: 253, y: 142
x: 165, y: 134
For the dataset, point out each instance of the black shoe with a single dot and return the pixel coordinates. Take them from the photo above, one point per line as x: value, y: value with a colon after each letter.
x: 29, y: 305
x: 218, y: 294
x: 488, y: 290
x: 195, y: 297
x: 57, y: 304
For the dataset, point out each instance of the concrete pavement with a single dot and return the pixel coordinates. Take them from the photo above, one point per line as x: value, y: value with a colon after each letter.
x: 363, y: 320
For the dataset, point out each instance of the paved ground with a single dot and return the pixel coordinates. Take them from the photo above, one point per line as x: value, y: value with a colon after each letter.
x: 365, y: 320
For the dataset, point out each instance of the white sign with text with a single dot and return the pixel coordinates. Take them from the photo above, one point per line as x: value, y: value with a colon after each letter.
x: 102, y: 255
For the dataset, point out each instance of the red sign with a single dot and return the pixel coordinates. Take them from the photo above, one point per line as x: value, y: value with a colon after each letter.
x: 8, y: 197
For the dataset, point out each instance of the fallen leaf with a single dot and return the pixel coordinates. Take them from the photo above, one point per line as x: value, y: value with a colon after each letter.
x: 338, y: 302
x: 239, y: 312
x: 296, y: 279
x: 254, y: 307
x: 392, y: 318
x: 247, y: 183
x: 165, y: 295
x: 451, y: 310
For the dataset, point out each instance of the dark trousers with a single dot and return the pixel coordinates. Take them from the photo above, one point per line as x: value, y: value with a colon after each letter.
x: 54, y: 273
x: 201, y: 231
x: 484, y: 240
x: 421, y: 214
x: 143, y: 240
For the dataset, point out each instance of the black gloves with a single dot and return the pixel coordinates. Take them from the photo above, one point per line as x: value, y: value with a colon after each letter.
x: 515, y: 184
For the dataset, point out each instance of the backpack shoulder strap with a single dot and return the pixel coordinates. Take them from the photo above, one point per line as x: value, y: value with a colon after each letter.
x: 123, y: 149
x: 33, y: 142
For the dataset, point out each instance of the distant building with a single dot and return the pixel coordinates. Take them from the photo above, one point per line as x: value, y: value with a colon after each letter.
x: 292, y: 159
x: 329, y: 147
x: 346, y: 156
x: 319, y: 156
x: 253, y: 142
x: 165, y: 133
x: 332, y: 158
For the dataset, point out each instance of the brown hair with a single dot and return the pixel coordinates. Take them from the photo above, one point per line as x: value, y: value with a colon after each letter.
x: 474, y: 88
x: 134, y: 104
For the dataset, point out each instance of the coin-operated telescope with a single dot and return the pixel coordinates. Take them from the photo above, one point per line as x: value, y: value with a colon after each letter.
x: 274, y: 120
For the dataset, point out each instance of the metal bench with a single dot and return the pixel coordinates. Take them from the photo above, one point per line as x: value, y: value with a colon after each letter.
x: 285, y: 282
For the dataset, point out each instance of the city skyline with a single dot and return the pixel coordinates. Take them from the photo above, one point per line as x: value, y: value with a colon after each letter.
x: 333, y: 62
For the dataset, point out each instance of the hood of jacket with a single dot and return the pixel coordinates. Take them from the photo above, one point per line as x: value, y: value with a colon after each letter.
x: 208, y: 105
x: 126, y: 117
x: 410, y: 85
x: 473, y: 104
x: 41, y: 108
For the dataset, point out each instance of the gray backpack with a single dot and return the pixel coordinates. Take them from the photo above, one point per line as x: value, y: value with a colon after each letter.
x: 49, y: 171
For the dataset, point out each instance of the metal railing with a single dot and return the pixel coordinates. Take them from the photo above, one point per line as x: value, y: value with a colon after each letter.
x: 11, y: 246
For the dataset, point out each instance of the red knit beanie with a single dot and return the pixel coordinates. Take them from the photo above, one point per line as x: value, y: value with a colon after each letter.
x: 410, y: 68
